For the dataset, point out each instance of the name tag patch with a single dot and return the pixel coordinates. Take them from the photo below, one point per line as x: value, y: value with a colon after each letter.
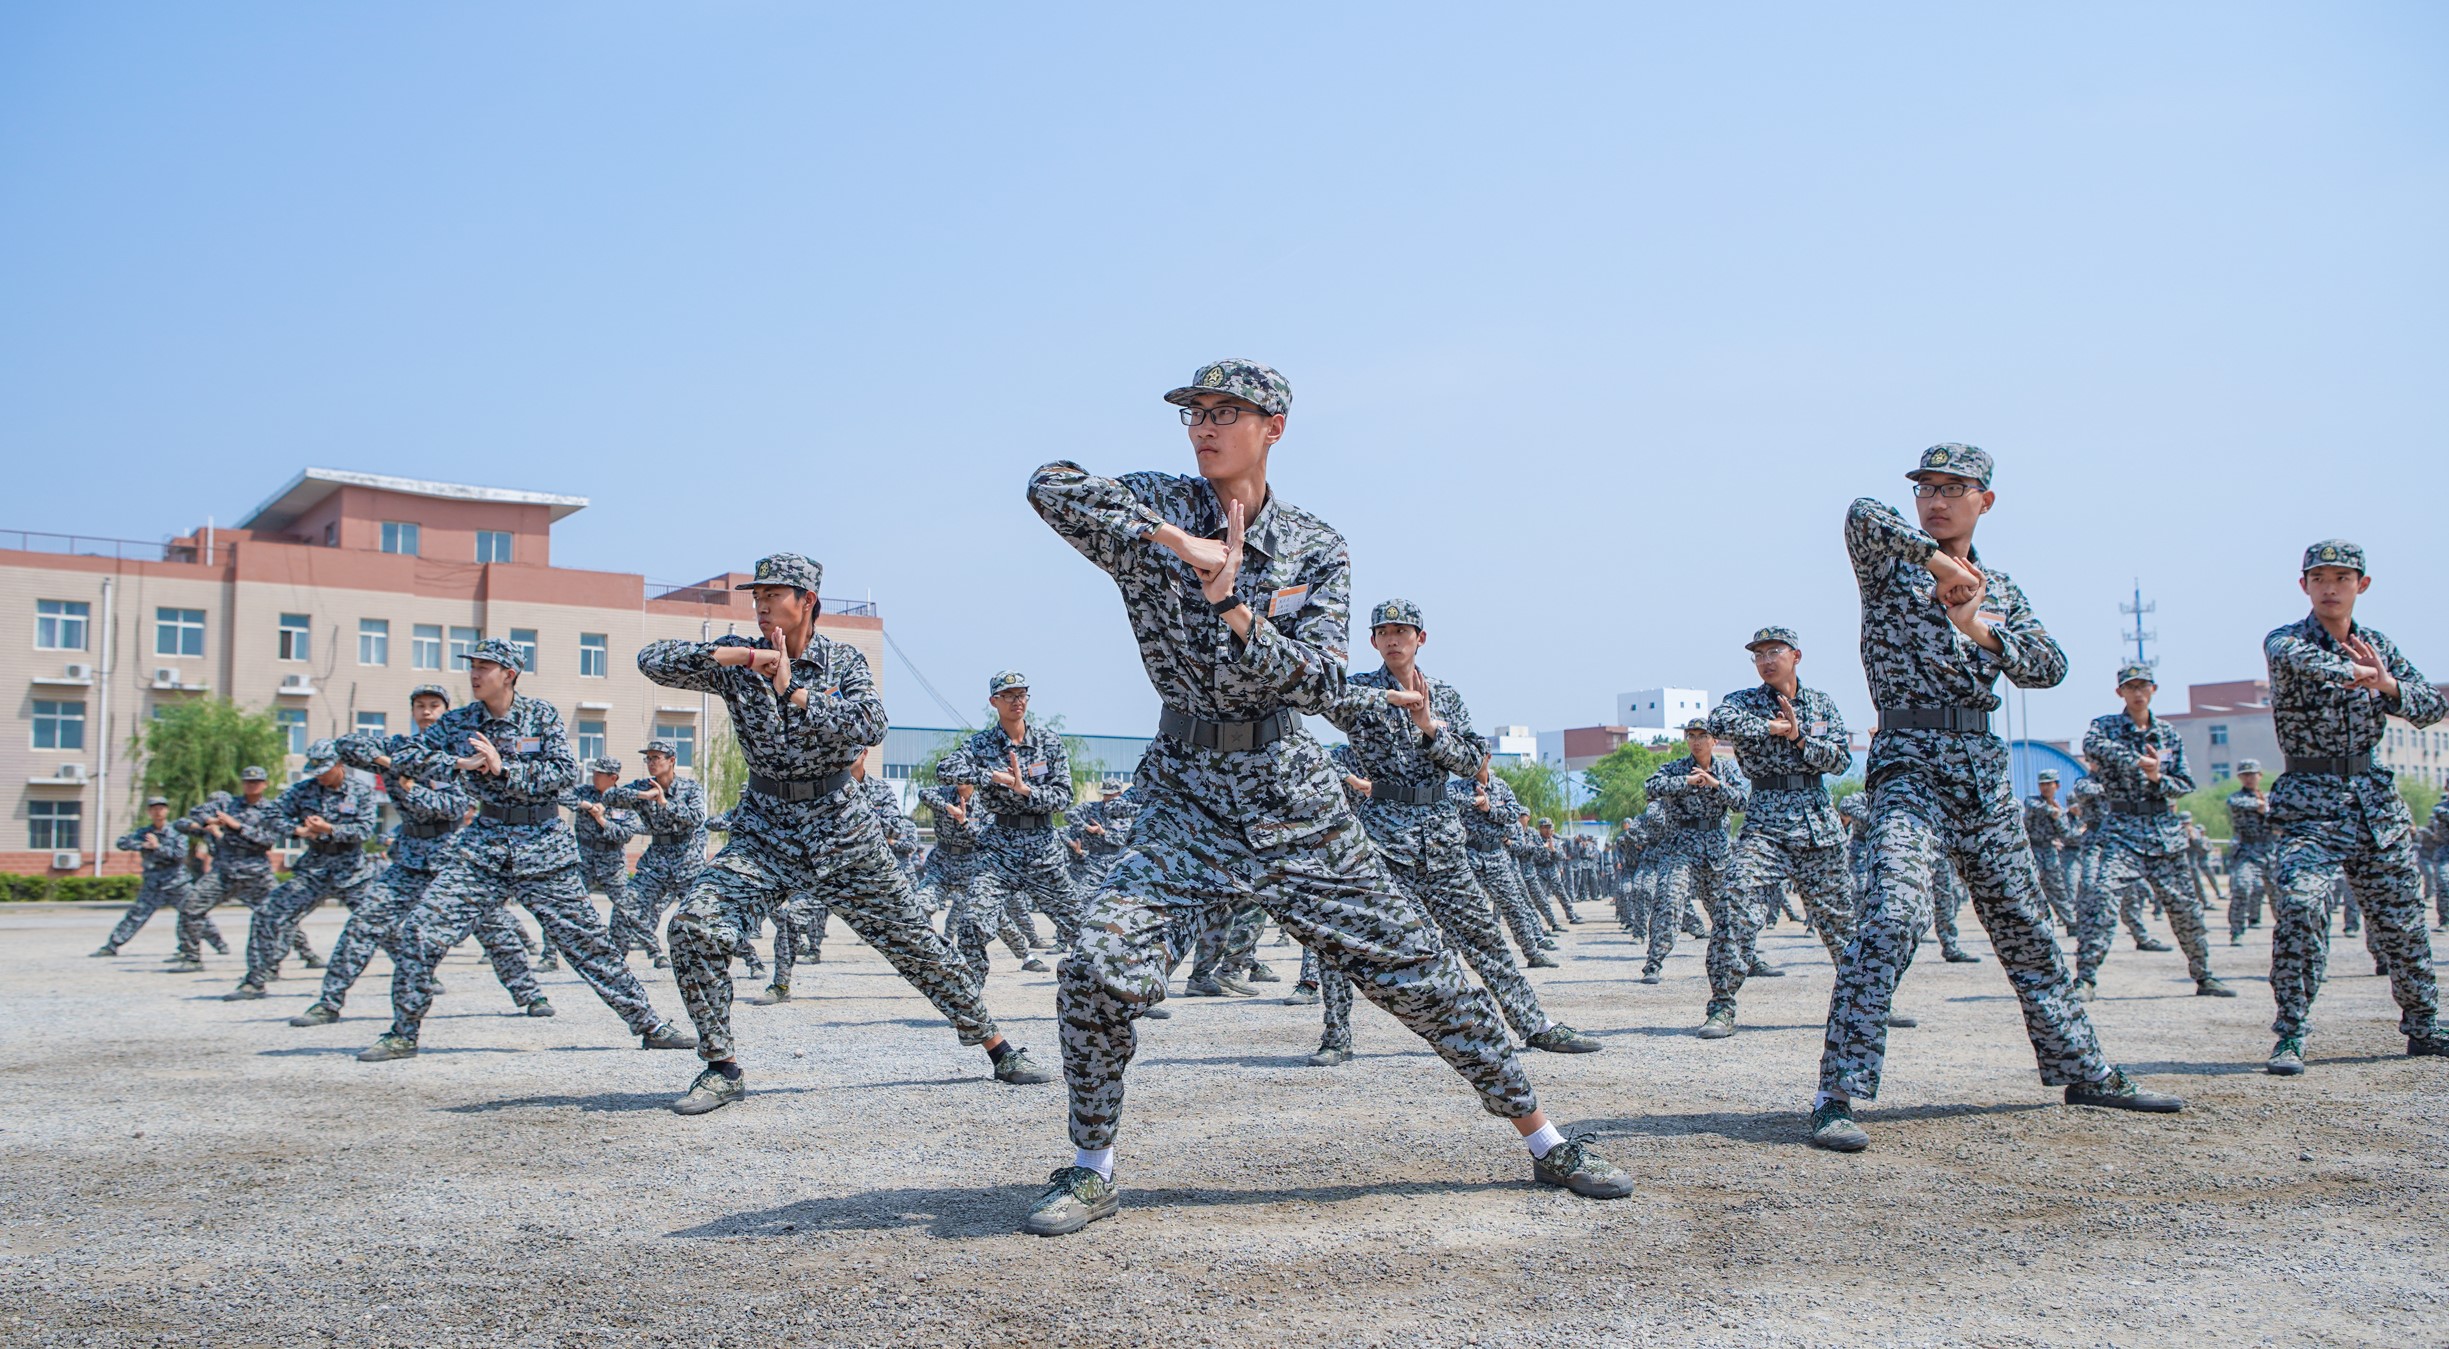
x: 1288, y: 600
x: 526, y: 744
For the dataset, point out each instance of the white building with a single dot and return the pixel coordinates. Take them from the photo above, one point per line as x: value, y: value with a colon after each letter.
x: 1512, y: 744
x: 1647, y: 710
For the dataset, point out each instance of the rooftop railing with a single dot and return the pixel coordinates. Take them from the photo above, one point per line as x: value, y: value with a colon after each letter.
x: 704, y: 594
x: 89, y: 545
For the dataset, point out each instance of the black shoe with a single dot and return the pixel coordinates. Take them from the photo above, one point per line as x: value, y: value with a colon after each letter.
x: 2152, y: 944
x: 1900, y: 1021
x: 2119, y: 1092
x: 2433, y: 1046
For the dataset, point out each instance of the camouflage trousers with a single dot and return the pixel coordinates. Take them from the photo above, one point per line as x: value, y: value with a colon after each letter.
x: 2439, y: 875
x: 2312, y: 859
x: 246, y: 883
x: 605, y: 871
x: 2248, y: 887
x: 778, y: 850
x: 972, y: 929
x: 652, y: 890
x: 375, y: 922
x: 1195, y: 852
x: 464, y: 895
x: 799, y: 921
x: 1231, y: 946
x: 1765, y: 865
x: 1442, y: 887
x: 2124, y: 871
x: 1916, y: 823
x: 165, y: 888
x: 1012, y: 878
x: 1734, y: 922
x: 1503, y: 886
x: 2062, y: 904
x: 274, y: 929
x: 1548, y: 879
x: 1680, y: 881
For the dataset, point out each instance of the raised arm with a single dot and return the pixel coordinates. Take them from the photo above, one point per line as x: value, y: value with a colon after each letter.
x: 1102, y: 517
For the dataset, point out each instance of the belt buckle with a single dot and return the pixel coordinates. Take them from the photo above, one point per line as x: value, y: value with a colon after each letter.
x: 1235, y: 737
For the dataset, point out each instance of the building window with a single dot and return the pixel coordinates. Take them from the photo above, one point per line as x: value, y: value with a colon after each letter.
x: 399, y: 537
x: 55, y: 825
x: 901, y: 771
x: 178, y: 632
x: 683, y: 735
x: 594, y: 655
x: 463, y: 640
x: 590, y: 741
x: 2219, y: 734
x: 2219, y: 772
x: 297, y: 637
x: 59, y: 724
x: 525, y: 640
x: 373, y: 723
x: 425, y: 646
x: 292, y: 721
x: 493, y: 545
x: 374, y: 641
x: 59, y: 625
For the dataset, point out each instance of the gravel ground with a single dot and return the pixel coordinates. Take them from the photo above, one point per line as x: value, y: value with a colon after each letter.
x: 180, y: 1170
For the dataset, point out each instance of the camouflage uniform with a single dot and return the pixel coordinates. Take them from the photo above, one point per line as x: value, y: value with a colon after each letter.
x: 2142, y: 841
x: 2433, y: 852
x: 1523, y: 846
x: 165, y: 883
x: 242, y: 870
x: 1546, y: 871
x: 1484, y: 834
x: 2249, y: 859
x: 333, y: 867
x: 953, y: 869
x: 1939, y: 794
x: 518, y: 849
x: 2348, y: 822
x: 1696, y: 862
x: 2045, y: 825
x: 675, y: 852
x: 1419, y: 834
x: 603, y: 859
x: 1790, y: 831
x: 802, y: 825
x: 1221, y: 826
x: 1018, y: 853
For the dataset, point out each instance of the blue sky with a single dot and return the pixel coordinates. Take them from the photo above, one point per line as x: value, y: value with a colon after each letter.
x: 1596, y: 318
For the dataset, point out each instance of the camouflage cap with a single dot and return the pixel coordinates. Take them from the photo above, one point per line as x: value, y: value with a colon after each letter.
x: 1247, y: 380
x: 785, y: 569
x: 254, y: 773
x: 2185, y: 815
x: 152, y: 801
x: 1546, y: 823
x: 2134, y: 672
x: 662, y: 747
x: 2047, y: 775
x: 2244, y: 766
x: 1767, y: 635
x: 430, y: 691
x: 500, y: 653
x: 1004, y: 680
x: 1697, y: 724
x: 1397, y: 611
x: 607, y: 764
x: 321, y: 755
x: 2334, y: 553
x: 1964, y: 461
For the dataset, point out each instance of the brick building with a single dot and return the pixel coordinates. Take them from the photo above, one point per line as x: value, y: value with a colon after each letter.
x: 2227, y: 723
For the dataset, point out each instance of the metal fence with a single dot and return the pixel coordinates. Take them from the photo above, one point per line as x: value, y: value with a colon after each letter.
x: 703, y: 594
x: 88, y: 545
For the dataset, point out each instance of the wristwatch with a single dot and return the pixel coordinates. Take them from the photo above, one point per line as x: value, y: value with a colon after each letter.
x: 1224, y: 606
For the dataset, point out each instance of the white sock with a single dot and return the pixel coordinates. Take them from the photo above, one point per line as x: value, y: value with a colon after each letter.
x: 1099, y: 1160
x: 1821, y: 1098
x: 1544, y: 1139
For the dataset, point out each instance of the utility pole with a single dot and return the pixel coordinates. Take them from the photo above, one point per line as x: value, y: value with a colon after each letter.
x: 2138, y: 636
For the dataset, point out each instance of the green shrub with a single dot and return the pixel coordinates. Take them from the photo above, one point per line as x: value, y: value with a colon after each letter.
x: 68, y: 889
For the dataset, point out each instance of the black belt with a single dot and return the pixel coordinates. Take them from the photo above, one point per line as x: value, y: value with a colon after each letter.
x: 1041, y: 820
x: 1405, y: 794
x: 798, y: 789
x: 1967, y: 719
x: 671, y: 838
x: 1787, y: 782
x: 2159, y: 807
x: 521, y: 814
x: 411, y: 829
x: 2336, y: 765
x: 1229, y: 736
x: 325, y: 847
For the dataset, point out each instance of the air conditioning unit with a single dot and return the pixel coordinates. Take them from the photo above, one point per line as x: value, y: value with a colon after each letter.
x: 166, y: 675
x: 297, y: 683
x: 67, y: 860
x: 80, y: 672
x: 69, y: 772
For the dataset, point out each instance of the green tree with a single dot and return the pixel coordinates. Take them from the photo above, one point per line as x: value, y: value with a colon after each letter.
x: 1540, y: 787
x: 2210, y: 807
x: 725, y: 771
x: 1618, y: 782
x: 923, y: 772
x: 196, y: 748
x: 2421, y: 797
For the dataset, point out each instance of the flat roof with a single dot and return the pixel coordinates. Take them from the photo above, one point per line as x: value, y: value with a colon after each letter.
x: 313, y: 484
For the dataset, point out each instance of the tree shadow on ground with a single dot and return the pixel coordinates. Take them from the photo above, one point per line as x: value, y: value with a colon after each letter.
x: 601, y: 1102
x: 966, y: 1212
x: 1782, y: 1126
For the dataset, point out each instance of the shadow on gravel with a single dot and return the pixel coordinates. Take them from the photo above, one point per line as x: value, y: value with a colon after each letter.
x: 997, y: 1210
x: 1784, y: 1126
x: 601, y: 1102
x: 351, y: 1049
x: 1685, y: 1032
x: 2192, y: 1069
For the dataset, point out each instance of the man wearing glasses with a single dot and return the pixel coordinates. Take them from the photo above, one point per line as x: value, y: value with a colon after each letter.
x: 1938, y: 629
x: 1240, y: 603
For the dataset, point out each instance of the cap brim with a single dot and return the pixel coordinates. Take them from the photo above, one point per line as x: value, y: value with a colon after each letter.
x: 1182, y: 397
x: 1918, y: 474
x: 1771, y: 641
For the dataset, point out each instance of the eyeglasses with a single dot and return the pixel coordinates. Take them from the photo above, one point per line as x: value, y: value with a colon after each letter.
x: 1222, y: 416
x: 1950, y: 490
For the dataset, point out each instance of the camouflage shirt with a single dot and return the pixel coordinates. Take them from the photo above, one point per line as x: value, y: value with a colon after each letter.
x: 426, y: 806
x: 339, y: 858
x: 2249, y: 819
x: 1485, y: 830
x: 1045, y: 765
x: 1914, y: 657
x: 537, y: 768
x: 2045, y: 823
x: 1693, y: 819
x: 951, y: 835
x: 843, y: 717
x: 260, y: 830
x: 614, y: 834
x: 900, y: 834
x: 163, y: 849
x: 2115, y: 745
x: 1112, y: 815
x: 1391, y: 752
x: 2319, y: 714
x: 677, y: 823
x: 1799, y: 817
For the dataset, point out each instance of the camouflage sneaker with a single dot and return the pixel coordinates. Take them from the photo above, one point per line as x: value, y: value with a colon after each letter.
x: 1202, y: 988
x: 2209, y: 987
x: 548, y: 965
x: 1649, y: 976
x: 1902, y: 1021
x: 1563, y: 1039
x: 1761, y: 969
x: 2286, y: 1058
x: 1034, y: 965
x: 2086, y: 990
x: 190, y: 965
x: 1303, y: 995
x: 1573, y: 1166
x: 1156, y: 1012
x: 665, y: 1035
x: 321, y: 1014
x: 1260, y: 974
x: 2120, y: 1092
x: 1719, y: 1026
x: 2151, y: 944
x: 662, y: 962
x: 312, y: 961
x: 244, y: 993
x: 1235, y: 986
x: 1960, y: 956
x: 1548, y: 944
x: 1075, y: 1197
x: 106, y: 949
x: 1833, y: 1128
x: 1328, y: 1056
x: 540, y: 1007
x: 774, y: 993
x: 710, y: 1092
x: 1019, y: 1070
x: 2432, y: 1046
x: 1540, y: 960
x: 388, y: 1047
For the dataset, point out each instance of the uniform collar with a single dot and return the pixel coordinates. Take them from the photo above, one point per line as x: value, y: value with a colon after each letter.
x: 1264, y: 534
